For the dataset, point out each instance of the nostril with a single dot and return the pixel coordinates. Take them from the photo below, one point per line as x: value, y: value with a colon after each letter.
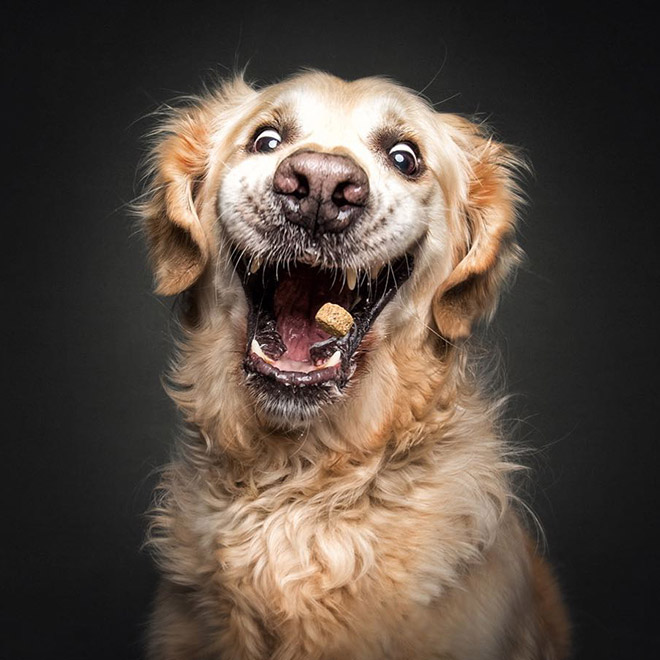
x: 302, y: 190
x: 338, y: 196
x: 287, y: 181
x: 349, y: 193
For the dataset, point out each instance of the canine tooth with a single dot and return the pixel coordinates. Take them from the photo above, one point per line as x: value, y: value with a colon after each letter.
x: 256, y: 349
x: 351, y: 278
x: 375, y: 271
x: 334, y: 359
x: 255, y: 265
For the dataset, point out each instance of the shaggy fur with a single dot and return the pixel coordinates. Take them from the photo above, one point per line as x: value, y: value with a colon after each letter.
x: 379, y: 524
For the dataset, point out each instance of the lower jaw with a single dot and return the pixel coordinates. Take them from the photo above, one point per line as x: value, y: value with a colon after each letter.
x: 291, y: 406
x: 293, y: 398
x: 305, y: 378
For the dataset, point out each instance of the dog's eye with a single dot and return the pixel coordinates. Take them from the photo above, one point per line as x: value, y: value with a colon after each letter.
x: 404, y: 158
x: 268, y: 140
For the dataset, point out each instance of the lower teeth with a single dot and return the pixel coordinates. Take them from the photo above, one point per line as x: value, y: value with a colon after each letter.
x: 332, y: 361
x: 257, y: 350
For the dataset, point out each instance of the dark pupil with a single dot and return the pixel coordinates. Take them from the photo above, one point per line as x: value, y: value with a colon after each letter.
x: 267, y: 144
x: 404, y: 162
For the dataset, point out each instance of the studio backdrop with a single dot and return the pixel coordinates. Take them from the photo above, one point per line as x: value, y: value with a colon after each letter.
x: 87, y: 423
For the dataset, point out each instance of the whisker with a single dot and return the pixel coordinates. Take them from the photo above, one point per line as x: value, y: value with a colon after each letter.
x: 436, y: 74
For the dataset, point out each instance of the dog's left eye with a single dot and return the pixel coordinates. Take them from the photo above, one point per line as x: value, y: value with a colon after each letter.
x: 404, y: 158
x: 268, y: 140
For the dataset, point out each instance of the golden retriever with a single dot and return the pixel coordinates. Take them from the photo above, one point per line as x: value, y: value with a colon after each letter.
x: 337, y: 498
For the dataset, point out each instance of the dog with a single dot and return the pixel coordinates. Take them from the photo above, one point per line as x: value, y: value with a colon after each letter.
x: 337, y: 497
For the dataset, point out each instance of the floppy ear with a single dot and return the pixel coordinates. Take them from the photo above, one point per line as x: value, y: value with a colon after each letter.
x: 489, y: 209
x: 179, y: 244
x: 179, y: 247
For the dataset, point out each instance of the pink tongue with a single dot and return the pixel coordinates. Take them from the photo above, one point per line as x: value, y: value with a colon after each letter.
x: 299, y: 335
x: 298, y: 297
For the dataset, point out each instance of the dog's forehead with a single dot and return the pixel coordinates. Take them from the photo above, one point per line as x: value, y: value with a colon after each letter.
x: 342, y: 108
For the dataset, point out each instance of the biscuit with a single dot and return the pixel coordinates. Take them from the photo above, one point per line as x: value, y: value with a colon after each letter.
x: 334, y: 319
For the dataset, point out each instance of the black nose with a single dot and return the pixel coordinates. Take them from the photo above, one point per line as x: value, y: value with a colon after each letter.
x: 322, y: 192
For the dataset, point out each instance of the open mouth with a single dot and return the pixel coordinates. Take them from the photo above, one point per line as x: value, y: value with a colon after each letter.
x: 286, y: 348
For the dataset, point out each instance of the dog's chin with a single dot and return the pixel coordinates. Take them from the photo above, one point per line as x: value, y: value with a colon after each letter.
x: 293, y: 368
x: 290, y: 407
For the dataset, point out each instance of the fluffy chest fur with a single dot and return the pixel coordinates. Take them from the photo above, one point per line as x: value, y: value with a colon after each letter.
x: 328, y: 556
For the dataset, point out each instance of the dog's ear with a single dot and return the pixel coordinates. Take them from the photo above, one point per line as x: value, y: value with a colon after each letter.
x: 488, y: 209
x: 179, y: 244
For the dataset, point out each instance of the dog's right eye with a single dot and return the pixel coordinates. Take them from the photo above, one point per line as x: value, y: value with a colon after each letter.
x: 267, y: 140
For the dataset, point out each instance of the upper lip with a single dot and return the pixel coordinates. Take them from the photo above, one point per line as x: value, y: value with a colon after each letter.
x: 366, y: 292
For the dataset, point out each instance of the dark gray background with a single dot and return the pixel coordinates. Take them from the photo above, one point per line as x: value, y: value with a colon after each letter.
x: 84, y: 342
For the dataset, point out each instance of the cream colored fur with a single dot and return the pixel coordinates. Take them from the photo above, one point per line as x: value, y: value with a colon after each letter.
x: 384, y: 527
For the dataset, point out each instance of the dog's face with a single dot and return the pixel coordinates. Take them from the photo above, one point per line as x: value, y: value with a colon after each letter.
x: 271, y: 203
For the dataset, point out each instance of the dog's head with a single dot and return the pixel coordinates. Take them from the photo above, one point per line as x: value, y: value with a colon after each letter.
x: 266, y: 204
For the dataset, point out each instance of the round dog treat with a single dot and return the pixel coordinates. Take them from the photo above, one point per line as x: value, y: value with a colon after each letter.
x: 335, y: 320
